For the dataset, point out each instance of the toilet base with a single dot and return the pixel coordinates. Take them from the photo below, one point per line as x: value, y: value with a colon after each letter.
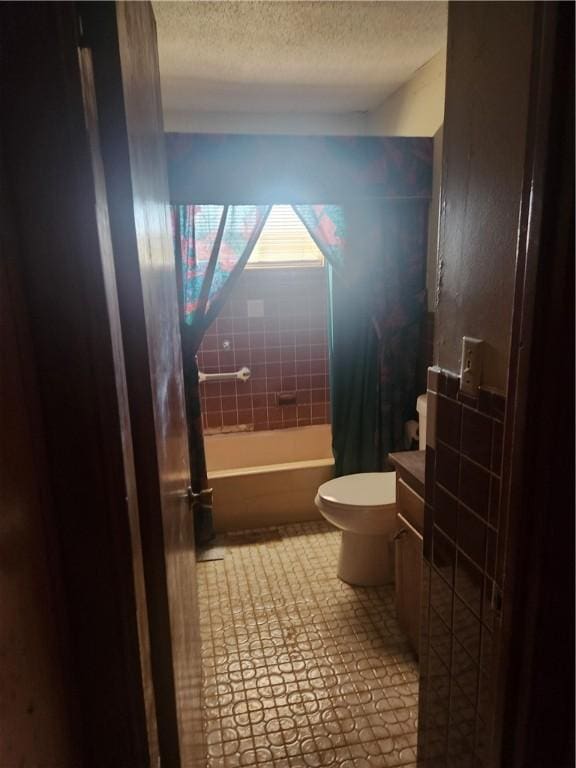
x: 366, y: 560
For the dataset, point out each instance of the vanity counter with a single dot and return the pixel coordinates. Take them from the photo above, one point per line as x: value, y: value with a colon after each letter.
x: 410, y: 466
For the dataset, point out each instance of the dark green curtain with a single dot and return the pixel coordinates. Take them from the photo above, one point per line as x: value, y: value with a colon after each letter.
x: 377, y: 255
x: 354, y: 390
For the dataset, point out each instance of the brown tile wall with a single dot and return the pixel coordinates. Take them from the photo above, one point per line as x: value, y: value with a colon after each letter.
x: 461, y: 577
x: 286, y: 351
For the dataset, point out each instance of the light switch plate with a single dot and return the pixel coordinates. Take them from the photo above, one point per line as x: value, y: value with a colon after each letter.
x: 255, y: 308
x: 471, y: 365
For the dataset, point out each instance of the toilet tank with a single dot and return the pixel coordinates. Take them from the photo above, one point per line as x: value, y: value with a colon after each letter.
x: 421, y: 408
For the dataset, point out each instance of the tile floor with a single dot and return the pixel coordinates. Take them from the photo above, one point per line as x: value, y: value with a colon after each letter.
x: 301, y: 669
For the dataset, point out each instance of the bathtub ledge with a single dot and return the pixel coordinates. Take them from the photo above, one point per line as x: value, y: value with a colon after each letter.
x: 270, y: 468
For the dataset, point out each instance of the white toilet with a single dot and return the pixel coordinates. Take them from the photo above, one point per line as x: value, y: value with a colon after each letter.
x: 363, y: 507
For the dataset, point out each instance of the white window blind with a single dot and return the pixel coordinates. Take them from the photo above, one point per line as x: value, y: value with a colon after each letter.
x: 285, y: 241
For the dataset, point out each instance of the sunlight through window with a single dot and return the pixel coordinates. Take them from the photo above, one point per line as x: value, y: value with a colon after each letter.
x: 285, y: 242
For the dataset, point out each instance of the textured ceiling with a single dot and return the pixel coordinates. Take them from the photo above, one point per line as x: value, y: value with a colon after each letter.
x: 292, y: 56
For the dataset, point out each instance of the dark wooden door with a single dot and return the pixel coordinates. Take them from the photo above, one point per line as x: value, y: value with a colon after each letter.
x: 38, y: 727
x: 121, y: 38
x: 66, y: 270
x: 83, y: 138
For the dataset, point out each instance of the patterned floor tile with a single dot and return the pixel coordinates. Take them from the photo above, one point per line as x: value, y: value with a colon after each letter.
x: 300, y: 669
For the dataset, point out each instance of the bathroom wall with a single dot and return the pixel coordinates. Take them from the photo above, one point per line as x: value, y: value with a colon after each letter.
x: 487, y: 97
x: 308, y: 124
x: 432, y: 251
x: 415, y: 109
x: 285, y: 348
x: 484, y: 151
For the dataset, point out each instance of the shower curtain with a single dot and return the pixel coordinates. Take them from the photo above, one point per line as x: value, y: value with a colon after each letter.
x: 377, y: 255
x: 212, y: 245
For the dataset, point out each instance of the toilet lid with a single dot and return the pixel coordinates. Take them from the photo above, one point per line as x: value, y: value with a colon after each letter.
x: 368, y: 489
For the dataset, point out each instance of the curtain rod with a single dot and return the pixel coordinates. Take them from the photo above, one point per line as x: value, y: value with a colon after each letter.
x: 340, y: 201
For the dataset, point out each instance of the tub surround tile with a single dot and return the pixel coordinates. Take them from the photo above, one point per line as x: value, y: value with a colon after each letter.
x: 229, y: 418
x: 286, y: 350
x: 244, y: 416
x: 300, y: 668
x: 461, y: 537
x: 214, y: 420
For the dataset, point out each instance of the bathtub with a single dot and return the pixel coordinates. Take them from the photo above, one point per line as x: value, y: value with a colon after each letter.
x: 269, y: 477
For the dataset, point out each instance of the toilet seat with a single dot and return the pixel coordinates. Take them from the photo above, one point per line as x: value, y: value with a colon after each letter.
x: 367, y: 490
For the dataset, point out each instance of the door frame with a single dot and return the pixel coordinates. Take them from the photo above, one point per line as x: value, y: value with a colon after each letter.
x: 534, y: 723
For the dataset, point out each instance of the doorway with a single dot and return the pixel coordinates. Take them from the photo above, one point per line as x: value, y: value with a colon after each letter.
x: 300, y: 668
x: 112, y: 408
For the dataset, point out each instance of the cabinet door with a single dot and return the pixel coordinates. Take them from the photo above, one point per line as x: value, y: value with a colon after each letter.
x: 408, y: 580
x: 410, y: 505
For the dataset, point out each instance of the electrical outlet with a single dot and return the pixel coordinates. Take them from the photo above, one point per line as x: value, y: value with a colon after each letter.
x: 471, y: 365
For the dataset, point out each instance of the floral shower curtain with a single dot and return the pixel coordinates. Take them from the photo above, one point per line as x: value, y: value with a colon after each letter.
x: 212, y: 245
x: 377, y: 255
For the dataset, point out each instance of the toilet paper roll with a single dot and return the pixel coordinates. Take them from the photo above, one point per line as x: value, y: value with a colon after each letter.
x: 410, y: 434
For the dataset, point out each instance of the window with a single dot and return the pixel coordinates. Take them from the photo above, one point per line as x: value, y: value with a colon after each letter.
x: 285, y: 242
